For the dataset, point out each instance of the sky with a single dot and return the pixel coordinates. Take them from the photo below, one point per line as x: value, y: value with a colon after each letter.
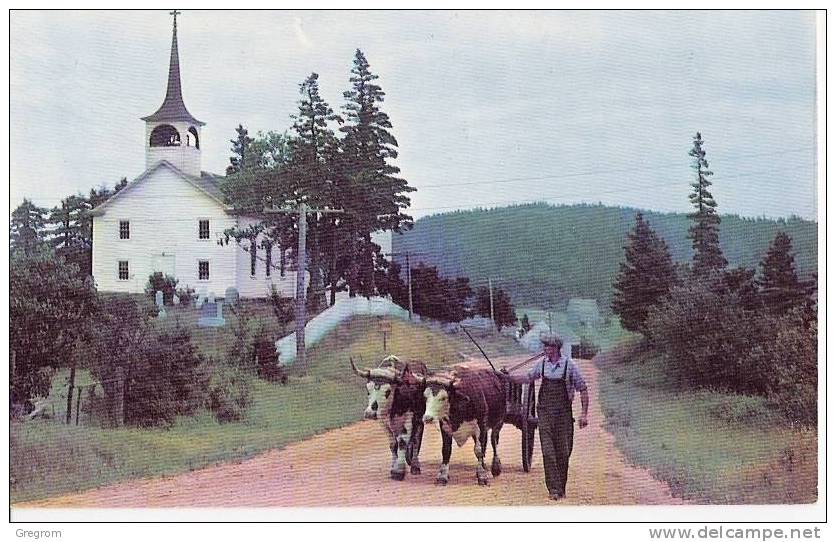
x: 489, y: 108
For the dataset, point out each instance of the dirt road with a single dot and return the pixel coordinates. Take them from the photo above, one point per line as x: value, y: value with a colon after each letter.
x: 350, y: 467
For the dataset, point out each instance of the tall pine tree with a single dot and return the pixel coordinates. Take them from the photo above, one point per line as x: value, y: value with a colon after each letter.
x: 780, y: 288
x: 645, y: 276
x: 377, y: 197
x: 27, y: 229
x: 238, y: 162
x: 704, y: 233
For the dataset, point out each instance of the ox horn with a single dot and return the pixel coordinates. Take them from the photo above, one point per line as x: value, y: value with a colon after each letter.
x: 356, y: 370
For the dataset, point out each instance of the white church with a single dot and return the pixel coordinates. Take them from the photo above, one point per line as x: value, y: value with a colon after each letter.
x: 170, y: 218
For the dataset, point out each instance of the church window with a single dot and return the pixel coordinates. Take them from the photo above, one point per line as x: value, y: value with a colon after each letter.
x: 252, y: 258
x: 165, y: 135
x: 203, y: 229
x: 191, y: 138
x: 124, y: 229
x: 123, y: 269
x: 203, y: 270
x: 269, y: 263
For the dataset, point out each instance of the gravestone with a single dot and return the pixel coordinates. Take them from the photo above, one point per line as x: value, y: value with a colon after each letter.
x: 199, y: 300
x: 175, y: 299
x: 211, y: 297
x: 158, y: 298
x: 231, y: 296
x: 211, y: 314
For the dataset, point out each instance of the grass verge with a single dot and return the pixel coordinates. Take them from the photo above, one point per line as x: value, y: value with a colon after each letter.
x: 710, y: 447
x: 49, y: 459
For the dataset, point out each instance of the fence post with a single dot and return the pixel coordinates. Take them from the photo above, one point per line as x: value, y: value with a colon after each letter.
x: 77, y: 404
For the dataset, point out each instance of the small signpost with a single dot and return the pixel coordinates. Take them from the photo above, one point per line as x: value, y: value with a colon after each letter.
x: 385, y: 328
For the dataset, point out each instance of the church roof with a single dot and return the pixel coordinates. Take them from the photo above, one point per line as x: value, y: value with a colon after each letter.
x: 208, y: 183
x: 173, y: 109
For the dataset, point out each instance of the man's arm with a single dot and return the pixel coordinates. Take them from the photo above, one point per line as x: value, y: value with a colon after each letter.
x: 584, y: 420
x: 523, y: 378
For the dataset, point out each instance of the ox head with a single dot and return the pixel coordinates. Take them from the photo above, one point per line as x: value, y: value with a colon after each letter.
x: 440, y: 392
x: 380, y: 386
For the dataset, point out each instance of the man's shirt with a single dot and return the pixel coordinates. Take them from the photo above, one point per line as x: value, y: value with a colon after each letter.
x: 554, y: 370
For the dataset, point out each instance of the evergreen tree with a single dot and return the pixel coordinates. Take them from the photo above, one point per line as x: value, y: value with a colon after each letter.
x: 377, y: 197
x: 780, y: 288
x: 704, y: 233
x: 503, y: 309
x: 27, y: 231
x: 70, y: 237
x: 310, y: 179
x: 238, y: 162
x: 645, y: 276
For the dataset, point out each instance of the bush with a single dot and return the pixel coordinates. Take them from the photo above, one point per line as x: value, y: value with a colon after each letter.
x: 165, y: 380
x: 706, y: 336
x: 789, y: 355
x: 230, y: 394
x: 587, y: 348
x: 165, y: 284
x: 268, y: 361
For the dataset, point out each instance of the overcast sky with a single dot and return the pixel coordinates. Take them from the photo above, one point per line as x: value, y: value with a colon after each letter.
x: 488, y: 107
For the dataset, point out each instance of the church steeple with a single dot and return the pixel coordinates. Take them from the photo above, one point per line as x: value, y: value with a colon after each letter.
x: 173, y: 108
x: 172, y: 133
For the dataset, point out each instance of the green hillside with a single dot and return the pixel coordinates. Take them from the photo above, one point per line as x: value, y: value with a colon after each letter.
x: 545, y: 254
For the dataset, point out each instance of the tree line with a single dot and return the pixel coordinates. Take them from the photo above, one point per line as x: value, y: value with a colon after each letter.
x: 547, y: 254
x: 741, y: 329
x: 67, y: 228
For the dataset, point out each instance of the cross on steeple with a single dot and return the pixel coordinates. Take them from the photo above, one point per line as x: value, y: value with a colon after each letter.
x: 175, y: 13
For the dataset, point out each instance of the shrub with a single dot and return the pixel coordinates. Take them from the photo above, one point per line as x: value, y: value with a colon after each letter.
x: 229, y: 395
x: 587, y: 348
x: 159, y: 283
x: 283, y: 307
x: 166, y: 379
x: 789, y: 355
x: 706, y: 336
x: 240, y: 353
x: 268, y: 361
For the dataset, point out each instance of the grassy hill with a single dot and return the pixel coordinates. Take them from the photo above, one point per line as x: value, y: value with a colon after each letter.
x: 545, y: 254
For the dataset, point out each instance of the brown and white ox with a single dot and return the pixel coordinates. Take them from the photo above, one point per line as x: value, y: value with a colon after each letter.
x: 467, y: 404
x: 396, y: 398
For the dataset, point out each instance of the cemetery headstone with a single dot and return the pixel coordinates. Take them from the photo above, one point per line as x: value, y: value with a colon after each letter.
x: 158, y: 298
x: 231, y: 296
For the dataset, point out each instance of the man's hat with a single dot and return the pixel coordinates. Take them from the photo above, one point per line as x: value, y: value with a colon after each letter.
x: 551, y: 339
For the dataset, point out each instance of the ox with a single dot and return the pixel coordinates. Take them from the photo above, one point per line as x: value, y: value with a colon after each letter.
x: 467, y: 404
x: 396, y: 398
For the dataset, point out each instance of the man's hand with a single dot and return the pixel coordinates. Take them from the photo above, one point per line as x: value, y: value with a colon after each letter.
x: 583, y: 421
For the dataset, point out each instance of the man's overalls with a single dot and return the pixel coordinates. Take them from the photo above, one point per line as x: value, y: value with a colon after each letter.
x: 556, y: 430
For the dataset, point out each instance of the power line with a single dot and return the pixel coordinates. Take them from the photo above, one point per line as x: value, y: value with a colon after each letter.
x: 594, y: 172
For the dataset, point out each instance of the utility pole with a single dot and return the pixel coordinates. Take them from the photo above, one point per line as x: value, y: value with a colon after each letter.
x: 301, y: 256
x: 490, y: 292
x: 408, y: 273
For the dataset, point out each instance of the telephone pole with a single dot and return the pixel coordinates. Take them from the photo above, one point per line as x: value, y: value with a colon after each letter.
x: 490, y: 293
x: 408, y: 273
x: 301, y: 310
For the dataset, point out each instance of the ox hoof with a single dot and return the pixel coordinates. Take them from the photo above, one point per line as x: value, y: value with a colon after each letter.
x: 496, y: 469
x: 415, y: 469
x: 441, y: 481
x: 483, y: 481
x: 397, y: 475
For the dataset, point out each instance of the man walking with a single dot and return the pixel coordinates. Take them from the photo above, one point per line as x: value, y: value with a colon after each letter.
x: 560, y: 379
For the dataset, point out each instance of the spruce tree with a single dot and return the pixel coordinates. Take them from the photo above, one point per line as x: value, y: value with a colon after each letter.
x: 377, y: 196
x: 69, y: 237
x: 309, y: 178
x: 780, y: 288
x: 238, y: 162
x: 27, y: 230
x: 704, y: 233
x: 645, y: 276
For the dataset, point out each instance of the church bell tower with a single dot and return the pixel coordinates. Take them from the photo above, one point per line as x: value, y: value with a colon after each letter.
x: 172, y: 133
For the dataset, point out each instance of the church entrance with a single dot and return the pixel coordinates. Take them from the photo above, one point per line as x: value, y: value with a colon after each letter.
x: 163, y: 262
